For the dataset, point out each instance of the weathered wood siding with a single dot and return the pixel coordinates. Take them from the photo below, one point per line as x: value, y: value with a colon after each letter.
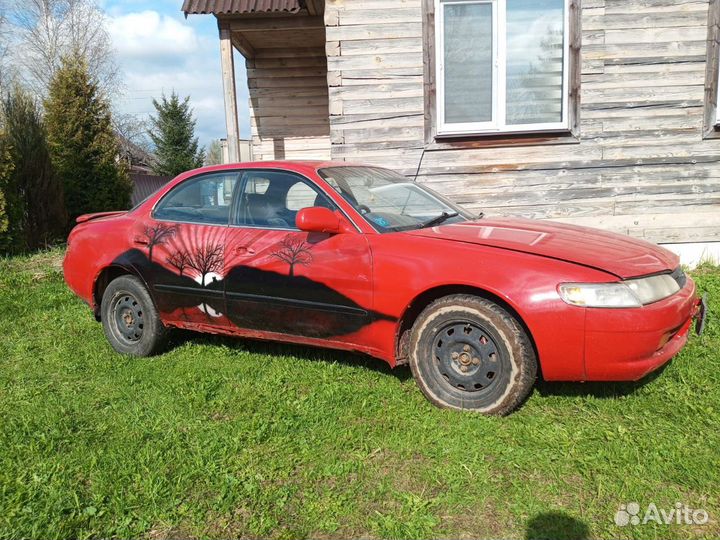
x: 289, y: 103
x: 641, y: 165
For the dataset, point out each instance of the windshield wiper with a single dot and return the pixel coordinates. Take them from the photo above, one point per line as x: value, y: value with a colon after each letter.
x: 442, y: 218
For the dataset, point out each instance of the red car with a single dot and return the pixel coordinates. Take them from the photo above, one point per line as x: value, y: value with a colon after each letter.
x: 362, y: 259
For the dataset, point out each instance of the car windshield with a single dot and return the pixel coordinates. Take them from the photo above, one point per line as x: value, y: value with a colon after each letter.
x: 389, y: 201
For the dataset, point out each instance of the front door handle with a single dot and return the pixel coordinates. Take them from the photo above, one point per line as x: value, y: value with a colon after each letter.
x: 244, y: 250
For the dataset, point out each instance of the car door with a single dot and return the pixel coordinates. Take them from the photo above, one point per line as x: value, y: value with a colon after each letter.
x: 180, y: 249
x: 283, y: 280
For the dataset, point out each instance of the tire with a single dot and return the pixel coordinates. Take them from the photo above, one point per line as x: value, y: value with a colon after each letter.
x: 129, y: 318
x: 467, y: 353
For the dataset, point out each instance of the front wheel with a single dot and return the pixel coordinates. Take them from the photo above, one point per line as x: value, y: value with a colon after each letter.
x: 468, y: 353
x: 129, y: 318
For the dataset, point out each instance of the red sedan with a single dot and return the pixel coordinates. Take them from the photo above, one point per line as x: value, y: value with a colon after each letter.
x: 360, y: 258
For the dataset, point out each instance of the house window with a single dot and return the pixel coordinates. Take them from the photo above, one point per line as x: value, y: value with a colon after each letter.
x: 501, y: 66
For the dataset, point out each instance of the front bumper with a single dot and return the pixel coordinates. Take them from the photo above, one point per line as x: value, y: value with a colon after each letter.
x: 627, y: 344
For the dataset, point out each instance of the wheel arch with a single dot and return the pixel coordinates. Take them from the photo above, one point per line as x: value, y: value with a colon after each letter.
x: 425, y: 298
x: 105, y: 277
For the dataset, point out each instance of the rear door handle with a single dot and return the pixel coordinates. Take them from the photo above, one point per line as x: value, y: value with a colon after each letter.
x: 244, y: 250
x: 141, y: 241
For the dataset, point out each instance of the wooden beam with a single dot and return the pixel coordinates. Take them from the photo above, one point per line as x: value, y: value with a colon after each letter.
x: 230, y: 94
x: 575, y: 66
x: 315, y: 7
x: 241, y: 43
x: 264, y: 24
x: 429, y: 82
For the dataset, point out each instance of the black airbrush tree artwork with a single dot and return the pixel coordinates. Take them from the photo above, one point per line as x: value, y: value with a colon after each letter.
x: 180, y: 260
x: 157, y: 235
x: 206, y: 259
x: 294, y: 251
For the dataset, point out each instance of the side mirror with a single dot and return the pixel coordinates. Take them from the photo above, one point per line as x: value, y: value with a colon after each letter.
x: 319, y: 219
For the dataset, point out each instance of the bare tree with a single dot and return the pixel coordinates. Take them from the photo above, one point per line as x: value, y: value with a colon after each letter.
x: 294, y: 250
x: 157, y: 235
x: 50, y: 29
x: 206, y: 259
x: 3, y: 36
x: 213, y: 154
x: 180, y: 260
x: 5, y: 43
x: 133, y: 129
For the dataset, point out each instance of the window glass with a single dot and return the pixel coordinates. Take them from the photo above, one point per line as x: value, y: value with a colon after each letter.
x: 389, y: 201
x: 257, y: 185
x: 468, y: 53
x: 534, y: 61
x: 300, y: 196
x: 272, y: 199
x: 206, y: 199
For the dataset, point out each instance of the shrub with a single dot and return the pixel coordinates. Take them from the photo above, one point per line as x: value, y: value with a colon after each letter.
x: 5, y: 169
x: 37, y: 212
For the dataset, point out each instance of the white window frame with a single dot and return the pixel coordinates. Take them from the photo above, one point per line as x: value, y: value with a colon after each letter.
x: 711, y: 113
x: 498, y: 124
x: 717, y: 96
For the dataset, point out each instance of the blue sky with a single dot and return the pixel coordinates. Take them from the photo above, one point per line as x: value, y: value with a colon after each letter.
x: 160, y: 51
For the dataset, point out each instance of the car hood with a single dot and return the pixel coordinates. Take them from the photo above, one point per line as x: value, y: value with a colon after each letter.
x: 617, y: 254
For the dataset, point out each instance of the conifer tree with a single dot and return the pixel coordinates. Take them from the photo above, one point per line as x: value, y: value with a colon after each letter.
x: 83, y: 145
x: 173, y: 133
x: 35, y: 192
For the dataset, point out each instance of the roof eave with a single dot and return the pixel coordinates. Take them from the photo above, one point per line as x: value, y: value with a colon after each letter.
x: 241, y: 7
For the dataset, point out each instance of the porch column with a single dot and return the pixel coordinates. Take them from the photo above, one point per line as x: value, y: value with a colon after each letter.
x: 228, y: 75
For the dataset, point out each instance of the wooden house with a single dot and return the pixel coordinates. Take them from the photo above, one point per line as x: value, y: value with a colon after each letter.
x: 596, y: 112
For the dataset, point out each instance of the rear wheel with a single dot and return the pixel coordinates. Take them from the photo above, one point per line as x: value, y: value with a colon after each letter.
x: 469, y: 353
x: 131, y: 322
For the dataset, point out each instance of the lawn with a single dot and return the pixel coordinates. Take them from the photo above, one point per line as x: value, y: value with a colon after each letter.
x: 221, y: 438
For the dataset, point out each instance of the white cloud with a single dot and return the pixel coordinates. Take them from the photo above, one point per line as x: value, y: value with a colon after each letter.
x: 148, y: 33
x: 159, y: 54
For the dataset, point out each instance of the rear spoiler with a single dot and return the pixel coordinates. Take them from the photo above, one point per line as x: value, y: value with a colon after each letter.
x: 98, y: 215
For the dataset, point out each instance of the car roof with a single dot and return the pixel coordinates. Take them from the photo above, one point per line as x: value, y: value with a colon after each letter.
x: 290, y: 165
x: 304, y: 167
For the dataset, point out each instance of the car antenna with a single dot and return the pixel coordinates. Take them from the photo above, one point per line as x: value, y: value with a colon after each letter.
x: 419, y: 165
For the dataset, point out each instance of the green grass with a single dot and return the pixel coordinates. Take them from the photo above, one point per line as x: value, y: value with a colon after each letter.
x: 225, y: 438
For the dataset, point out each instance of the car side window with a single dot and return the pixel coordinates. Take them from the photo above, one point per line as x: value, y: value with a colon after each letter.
x: 272, y: 199
x: 206, y: 199
x: 300, y: 196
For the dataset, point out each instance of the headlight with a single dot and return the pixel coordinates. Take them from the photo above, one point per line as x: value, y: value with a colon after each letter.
x: 629, y: 293
x: 609, y: 295
x: 653, y: 288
